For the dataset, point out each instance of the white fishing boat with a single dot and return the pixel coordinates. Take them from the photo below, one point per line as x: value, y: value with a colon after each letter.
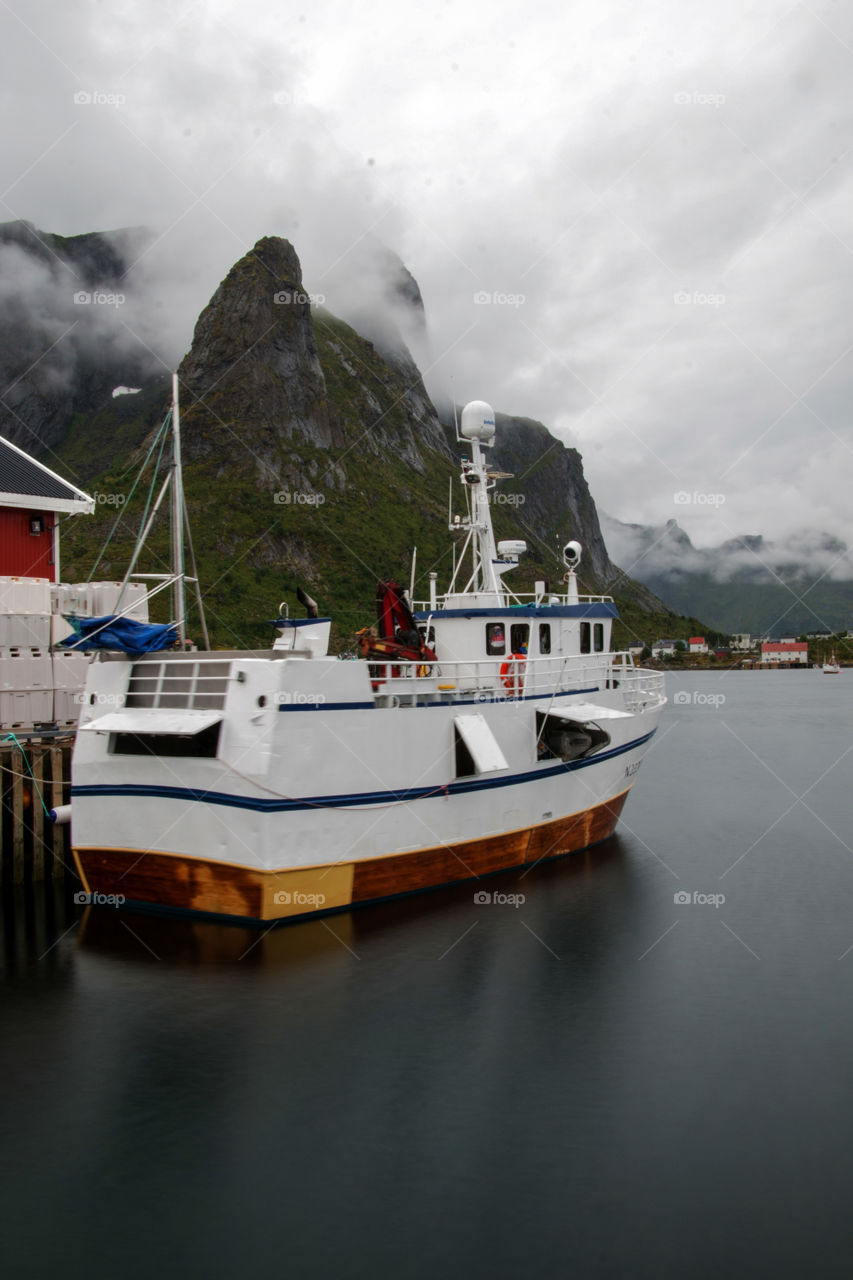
x: 480, y: 731
x: 831, y: 666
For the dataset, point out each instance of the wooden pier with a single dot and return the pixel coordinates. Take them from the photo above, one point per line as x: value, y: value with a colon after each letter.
x: 34, y: 774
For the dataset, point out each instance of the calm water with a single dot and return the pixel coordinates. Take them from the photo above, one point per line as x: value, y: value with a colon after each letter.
x: 600, y: 1082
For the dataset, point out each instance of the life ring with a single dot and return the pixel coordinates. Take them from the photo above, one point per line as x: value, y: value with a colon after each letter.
x: 513, y: 672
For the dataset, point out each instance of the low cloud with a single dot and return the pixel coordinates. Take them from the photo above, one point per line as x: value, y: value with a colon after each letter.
x: 662, y: 193
x: 665, y: 551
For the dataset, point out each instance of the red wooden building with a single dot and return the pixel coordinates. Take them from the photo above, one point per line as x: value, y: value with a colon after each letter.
x: 32, y: 501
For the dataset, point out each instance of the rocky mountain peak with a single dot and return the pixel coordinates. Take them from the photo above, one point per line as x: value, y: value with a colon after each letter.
x: 252, y: 379
x: 270, y: 377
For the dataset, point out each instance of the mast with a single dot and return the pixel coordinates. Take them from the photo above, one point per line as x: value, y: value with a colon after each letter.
x: 177, y: 495
x: 485, y: 552
x: 477, y: 430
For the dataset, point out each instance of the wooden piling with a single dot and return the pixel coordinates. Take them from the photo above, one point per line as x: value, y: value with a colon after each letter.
x: 61, y: 842
x: 38, y: 815
x: 33, y: 775
x: 17, y: 766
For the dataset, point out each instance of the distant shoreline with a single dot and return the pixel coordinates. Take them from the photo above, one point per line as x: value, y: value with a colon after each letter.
x: 723, y: 664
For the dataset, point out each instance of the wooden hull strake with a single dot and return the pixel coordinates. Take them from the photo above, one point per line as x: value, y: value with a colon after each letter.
x: 205, y: 885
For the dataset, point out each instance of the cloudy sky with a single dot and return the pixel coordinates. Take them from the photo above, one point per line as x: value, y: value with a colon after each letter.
x: 632, y: 222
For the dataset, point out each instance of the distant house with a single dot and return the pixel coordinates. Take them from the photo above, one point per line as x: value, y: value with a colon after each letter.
x: 722, y: 653
x: 636, y: 647
x: 742, y: 642
x: 664, y: 648
x: 789, y: 651
x: 31, y: 498
x: 820, y: 634
x: 696, y: 644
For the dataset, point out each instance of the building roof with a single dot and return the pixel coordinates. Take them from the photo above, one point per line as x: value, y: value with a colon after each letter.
x: 24, y: 482
x: 697, y: 639
x: 781, y: 646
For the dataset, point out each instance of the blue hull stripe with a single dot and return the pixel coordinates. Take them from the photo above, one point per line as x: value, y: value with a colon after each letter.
x: 347, y: 801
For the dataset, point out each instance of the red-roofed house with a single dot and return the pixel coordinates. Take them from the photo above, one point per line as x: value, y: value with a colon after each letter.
x: 696, y: 644
x: 785, y: 651
x: 32, y: 497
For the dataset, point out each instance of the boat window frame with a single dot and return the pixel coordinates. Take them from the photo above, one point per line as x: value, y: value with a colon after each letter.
x: 493, y: 650
x: 545, y: 638
x: 519, y: 637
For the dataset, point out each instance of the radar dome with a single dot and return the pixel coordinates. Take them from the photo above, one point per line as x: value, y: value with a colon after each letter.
x: 572, y: 552
x: 478, y: 421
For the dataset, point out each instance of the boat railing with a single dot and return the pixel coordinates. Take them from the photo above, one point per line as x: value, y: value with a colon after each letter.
x: 516, y: 678
x: 642, y: 688
x: 522, y: 599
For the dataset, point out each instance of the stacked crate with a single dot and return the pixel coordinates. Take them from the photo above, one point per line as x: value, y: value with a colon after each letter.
x: 97, y: 599
x: 41, y: 685
x: 26, y: 677
x: 69, y: 680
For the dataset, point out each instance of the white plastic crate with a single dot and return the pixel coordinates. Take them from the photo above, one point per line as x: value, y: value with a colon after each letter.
x: 23, y: 709
x: 74, y: 597
x: 66, y: 706
x: 25, y: 669
x: 69, y: 670
x: 59, y: 629
x: 65, y: 598
x: 24, y: 630
x: 137, y: 595
x: 103, y: 599
x: 97, y: 599
x: 24, y: 595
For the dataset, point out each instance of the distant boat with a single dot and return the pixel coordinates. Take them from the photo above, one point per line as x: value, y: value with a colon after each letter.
x: 832, y: 667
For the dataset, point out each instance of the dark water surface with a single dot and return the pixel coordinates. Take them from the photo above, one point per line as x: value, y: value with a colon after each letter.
x: 600, y: 1082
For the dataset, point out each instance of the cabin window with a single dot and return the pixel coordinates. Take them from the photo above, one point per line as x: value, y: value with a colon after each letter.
x: 598, y: 637
x: 519, y: 637
x: 495, y: 639
x: 544, y: 637
x: 178, y: 685
x: 585, y: 645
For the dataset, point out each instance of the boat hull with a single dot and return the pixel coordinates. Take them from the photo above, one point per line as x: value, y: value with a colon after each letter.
x: 195, y: 884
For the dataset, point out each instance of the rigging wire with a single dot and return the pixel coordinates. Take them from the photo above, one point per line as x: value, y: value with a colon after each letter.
x: 161, y: 436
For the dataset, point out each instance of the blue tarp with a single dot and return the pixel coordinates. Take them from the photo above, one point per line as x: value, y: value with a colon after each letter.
x: 122, y: 634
